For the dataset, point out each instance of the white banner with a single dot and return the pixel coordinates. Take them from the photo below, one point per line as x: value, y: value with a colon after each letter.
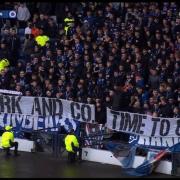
x: 141, y: 124
x: 31, y: 122
x: 4, y: 91
x: 41, y: 106
x: 153, y: 141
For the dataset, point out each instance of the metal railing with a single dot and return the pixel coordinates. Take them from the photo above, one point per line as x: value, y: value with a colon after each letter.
x: 52, y: 142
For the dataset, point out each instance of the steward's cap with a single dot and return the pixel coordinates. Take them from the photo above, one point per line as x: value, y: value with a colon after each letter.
x: 7, y: 128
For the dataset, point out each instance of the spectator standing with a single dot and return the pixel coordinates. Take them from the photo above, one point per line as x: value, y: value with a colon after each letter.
x: 14, y: 47
x: 23, y: 15
x: 28, y: 29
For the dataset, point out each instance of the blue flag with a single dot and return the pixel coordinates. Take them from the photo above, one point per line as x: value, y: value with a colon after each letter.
x: 123, y: 152
x: 149, y: 165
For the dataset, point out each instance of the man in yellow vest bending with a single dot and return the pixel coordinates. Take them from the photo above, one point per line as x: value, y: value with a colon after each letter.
x: 7, y: 141
x: 72, y: 146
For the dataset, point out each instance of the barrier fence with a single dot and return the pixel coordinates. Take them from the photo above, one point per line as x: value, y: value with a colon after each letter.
x: 48, y: 142
x: 52, y: 142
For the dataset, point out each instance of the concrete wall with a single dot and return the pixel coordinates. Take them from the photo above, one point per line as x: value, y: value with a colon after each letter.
x: 106, y: 157
x: 24, y: 145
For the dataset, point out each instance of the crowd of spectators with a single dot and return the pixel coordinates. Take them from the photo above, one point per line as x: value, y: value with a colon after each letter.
x: 125, y: 56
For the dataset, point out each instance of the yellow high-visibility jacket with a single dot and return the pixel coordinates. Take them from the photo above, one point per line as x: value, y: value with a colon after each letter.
x: 6, y: 137
x: 3, y: 63
x: 67, y: 22
x: 69, y: 139
x: 41, y: 40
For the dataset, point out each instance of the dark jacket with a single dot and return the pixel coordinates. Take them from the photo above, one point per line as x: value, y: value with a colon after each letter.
x: 166, y: 111
x: 120, y: 101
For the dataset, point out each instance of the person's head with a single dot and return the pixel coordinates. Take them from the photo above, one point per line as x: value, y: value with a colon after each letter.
x: 3, y: 45
x: 155, y: 114
x: 77, y: 56
x: 51, y: 70
x: 111, y: 93
x: 28, y: 93
x: 146, y: 106
x: 153, y: 72
x: 132, y: 67
x: 14, y: 76
x: 115, y: 87
x: 41, y: 16
x: 169, y: 80
x: 137, y: 104
x: 176, y: 110
x: 22, y: 4
x: 34, y: 76
x: 35, y: 60
x: 60, y: 82
x: 6, y: 31
x: 168, y: 88
x: 50, y: 86
x: 163, y: 101
x: 60, y: 65
x: 116, y: 74
x: 139, y: 90
x: 151, y: 101
x: 108, y: 99
x: 68, y: 88
x: 59, y: 94
x: 71, y: 131
x: 155, y: 92
x: 29, y: 24
x: 81, y: 81
x: 100, y: 74
x: 18, y: 87
x: 34, y: 83
x: 13, y: 31
x: 48, y: 93
x: 59, y: 51
x: 89, y: 100
x: 161, y: 88
x: 8, y: 128
x: 63, y: 77
x: 22, y: 74
x: 80, y: 86
x: 171, y: 100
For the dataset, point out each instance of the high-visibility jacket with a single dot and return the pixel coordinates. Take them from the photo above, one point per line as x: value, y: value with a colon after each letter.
x: 41, y: 40
x: 3, y: 63
x: 69, y: 139
x: 67, y: 22
x: 6, y: 138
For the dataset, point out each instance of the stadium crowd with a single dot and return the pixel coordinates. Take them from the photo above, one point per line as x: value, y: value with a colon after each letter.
x: 125, y: 56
